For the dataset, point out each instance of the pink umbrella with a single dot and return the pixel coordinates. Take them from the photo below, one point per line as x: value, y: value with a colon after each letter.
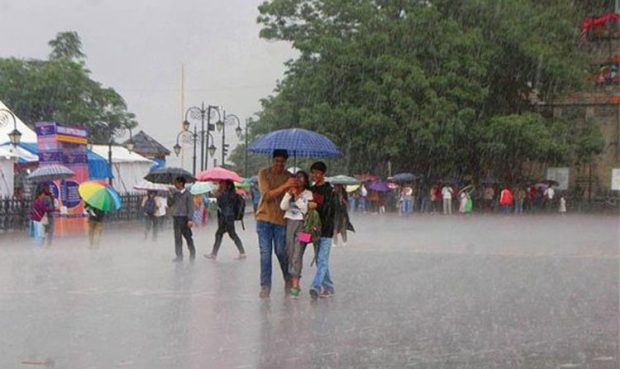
x: 218, y: 174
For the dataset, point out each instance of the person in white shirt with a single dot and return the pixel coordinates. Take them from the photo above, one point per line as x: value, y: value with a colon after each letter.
x: 295, y: 205
x: 446, y: 193
x: 548, y: 195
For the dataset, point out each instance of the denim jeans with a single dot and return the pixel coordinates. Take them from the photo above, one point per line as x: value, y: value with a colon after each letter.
x: 322, y: 278
x: 271, y: 237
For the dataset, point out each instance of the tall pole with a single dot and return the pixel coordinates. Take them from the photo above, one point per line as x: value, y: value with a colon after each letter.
x: 110, y: 159
x: 194, y: 138
x: 245, y: 160
x: 207, y: 143
x: 202, y: 136
x: 223, y: 138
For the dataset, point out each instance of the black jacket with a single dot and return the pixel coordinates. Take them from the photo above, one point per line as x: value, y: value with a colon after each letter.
x: 325, y: 199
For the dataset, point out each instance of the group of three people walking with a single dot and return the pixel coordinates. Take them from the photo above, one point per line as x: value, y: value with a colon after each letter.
x: 280, y: 218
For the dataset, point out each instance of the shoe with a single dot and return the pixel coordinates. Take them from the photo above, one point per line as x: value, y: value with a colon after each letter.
x: 288, y: 284
x: 209, y: 256
x: 294, y: 292
x: 264, y: 293
x: 314, y: 294
x: 178, y: 259
x: 327, y: 293
x: 192, y: 257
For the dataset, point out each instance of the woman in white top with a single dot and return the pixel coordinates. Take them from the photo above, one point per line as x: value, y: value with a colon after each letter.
x: 295, y: 205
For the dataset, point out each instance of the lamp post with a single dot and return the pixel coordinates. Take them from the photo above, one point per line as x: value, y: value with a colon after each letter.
x: 15, y: 135
x: 193, y: 137
x: 221, y: 126
x: 203, y: 113
x: 239, y: 132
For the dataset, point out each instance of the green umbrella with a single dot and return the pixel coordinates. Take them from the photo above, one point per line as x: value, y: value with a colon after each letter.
x: 342, y: 180
x: 199, y: 188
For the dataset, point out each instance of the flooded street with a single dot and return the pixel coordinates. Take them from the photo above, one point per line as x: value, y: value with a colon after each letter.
x: 419, y: 292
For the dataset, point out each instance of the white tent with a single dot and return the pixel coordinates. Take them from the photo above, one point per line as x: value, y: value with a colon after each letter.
x: 7, y: 159
x: 6, y: 126
x: 128, y: 167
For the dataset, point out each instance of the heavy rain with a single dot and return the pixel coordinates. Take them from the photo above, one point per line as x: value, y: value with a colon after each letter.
x: 310, y: 184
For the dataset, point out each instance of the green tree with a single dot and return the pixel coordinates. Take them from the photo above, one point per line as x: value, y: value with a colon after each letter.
x: 61, y: 90
x: 423, y: 84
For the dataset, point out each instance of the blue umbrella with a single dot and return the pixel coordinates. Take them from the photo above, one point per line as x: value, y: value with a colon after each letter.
x: 378, y: 186
x: 403, y: 177
x: 297, y: 142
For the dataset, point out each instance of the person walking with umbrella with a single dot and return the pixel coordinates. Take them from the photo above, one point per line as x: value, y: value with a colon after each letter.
x: 226, y: 202
x: 273, y: 182
x: 182, y: 206
x: 295, y: 204
x: 323, y: 200
x: 150, y: 206
x: 95, y: 225
x: 38, y: 218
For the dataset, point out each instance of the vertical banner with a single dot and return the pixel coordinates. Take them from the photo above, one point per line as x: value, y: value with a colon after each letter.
x: 66, y: 146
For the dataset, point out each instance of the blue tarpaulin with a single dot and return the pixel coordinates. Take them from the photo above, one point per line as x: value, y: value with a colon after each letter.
x: 98, y: 167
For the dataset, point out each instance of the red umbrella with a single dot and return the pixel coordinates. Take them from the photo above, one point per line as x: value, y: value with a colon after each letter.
x: 218, y: 174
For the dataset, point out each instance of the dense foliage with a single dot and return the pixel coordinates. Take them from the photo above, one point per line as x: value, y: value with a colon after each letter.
x: 437, y: 87
x: 60, y: 89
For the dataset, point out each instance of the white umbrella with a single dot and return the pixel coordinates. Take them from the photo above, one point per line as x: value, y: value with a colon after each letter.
x: 145, y: 185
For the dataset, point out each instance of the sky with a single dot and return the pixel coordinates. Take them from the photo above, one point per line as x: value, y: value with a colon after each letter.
x: 139, y: 47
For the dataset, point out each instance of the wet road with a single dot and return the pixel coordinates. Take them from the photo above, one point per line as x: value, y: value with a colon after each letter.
x: 422, y: 292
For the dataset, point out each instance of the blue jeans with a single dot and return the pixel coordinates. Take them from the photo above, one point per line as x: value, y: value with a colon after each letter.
x: 322, y: 278
x: 271, y: 237
x: 406, y: 207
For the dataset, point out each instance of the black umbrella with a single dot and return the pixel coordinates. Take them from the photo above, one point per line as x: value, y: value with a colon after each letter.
x: 551, y: 182
x: 50, y: 173
x: 403, y: 177
x: 168, y: 175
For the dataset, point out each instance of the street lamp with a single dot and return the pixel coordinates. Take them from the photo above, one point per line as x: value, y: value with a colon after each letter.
x: 193, y: 137
x: 202, y: 113
x: 15, y: 135
x: 239, y: 132
x: 221, y: 126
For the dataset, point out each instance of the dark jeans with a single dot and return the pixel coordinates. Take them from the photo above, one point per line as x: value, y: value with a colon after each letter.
x: 151, y: 222
x: 181, y: 229
x: 226, y: 227
x: 271, y: 237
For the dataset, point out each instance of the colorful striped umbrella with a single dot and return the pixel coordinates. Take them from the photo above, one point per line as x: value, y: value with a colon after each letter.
x: 99, y: 196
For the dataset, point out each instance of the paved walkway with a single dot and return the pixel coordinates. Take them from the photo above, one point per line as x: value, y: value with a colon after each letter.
x: 421, y: 292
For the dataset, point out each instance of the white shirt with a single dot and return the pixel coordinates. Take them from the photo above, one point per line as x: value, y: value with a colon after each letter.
x: 550, y: 192
x: 162, y: 205
x: 446, y: 192
x: 295, y: 210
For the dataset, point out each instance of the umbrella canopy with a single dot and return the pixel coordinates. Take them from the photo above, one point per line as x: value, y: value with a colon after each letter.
x: 50, y: 173
x: 342, y: 180
x: 294, y: 170
x: 378, y: 186
x: 99, y: 196
x: 199, y: 188
x: 552, y: 182
x: 297, y: 142
x: 351, y: 188
x: 367, y: 177
x: 254, y: 179
x: 403, y: 177
x: 218, y: 174
x: 145, y: 185
x: 467, y: 189
x: 167, y: 175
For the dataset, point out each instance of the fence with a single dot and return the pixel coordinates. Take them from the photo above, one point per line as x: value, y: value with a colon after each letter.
x: 14, y: 212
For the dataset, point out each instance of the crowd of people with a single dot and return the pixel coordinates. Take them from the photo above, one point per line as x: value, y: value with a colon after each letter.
x: 444, y: 198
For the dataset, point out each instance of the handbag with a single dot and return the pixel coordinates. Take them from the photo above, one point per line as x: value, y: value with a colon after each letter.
x: 45, y: 220
x: 304, y: 237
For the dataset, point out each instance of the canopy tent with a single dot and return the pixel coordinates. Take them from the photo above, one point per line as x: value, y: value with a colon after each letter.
x: 6, y: 126
x: 29, y: 153
x: 6, y: 172
x: 129, y: 168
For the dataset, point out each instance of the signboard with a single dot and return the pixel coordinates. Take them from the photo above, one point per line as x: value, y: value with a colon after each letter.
x: 560, y: 175
x: 615, y: 179
x: 66, y: 146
